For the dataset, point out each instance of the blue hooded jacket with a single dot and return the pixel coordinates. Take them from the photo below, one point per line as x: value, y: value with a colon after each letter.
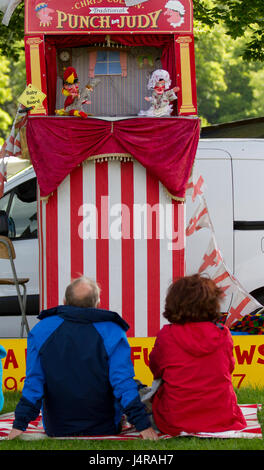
x: 80, y: 372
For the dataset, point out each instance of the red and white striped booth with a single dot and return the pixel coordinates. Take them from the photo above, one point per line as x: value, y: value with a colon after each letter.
x: 116, y: 217
x: 111, y: 191
x: 114, y: 222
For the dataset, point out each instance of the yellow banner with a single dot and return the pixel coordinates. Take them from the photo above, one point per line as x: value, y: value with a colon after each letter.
x: 14, y: 364
x: 248, y: 353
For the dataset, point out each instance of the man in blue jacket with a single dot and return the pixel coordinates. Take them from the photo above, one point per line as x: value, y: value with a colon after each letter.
x: 79, y: 370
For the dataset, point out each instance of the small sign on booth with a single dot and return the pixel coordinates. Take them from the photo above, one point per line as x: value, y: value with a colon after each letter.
x: 32, y: 97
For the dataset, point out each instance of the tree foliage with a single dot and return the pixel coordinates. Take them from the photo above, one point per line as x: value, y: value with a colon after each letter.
x: 12, y: 84
x: 11, y: 35
x: 228, y: 88
x: 241, y: 18
x: 5, y: 95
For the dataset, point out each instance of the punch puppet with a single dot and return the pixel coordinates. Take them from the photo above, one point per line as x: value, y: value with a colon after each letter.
x: 75, y: 99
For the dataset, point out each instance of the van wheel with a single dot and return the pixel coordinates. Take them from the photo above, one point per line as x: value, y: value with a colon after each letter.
x: 258, y: 294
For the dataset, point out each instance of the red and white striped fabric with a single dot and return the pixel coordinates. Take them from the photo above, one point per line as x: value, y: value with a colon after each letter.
x: 133, y: 257
x: 12, y: 145
x: 35, y: 429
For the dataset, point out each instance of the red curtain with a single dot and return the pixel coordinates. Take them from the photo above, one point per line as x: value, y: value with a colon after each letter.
x: 51, y: 65
x: 52, y: 43
x: 165, y: 146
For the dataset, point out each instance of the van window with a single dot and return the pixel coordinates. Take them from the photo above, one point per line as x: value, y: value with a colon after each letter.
x: 21, y: 208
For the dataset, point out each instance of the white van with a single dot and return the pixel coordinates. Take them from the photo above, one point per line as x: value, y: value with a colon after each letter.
x: 234, y: 193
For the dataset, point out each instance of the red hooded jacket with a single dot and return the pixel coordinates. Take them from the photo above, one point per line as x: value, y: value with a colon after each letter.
x: 195, y: 362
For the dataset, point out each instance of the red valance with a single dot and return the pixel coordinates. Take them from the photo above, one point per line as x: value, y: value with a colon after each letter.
x: 165, y: 146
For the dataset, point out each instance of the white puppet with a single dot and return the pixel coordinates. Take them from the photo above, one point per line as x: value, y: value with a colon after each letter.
x: 162, y: 96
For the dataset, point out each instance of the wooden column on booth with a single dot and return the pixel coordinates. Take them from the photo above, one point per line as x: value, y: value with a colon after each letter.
x: 36, y: 68
x: 185, y: 66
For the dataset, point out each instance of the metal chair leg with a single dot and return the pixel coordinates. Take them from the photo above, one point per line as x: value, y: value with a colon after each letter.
x: 22, y: 301
x: 22, y: 305
x: 24, y: 321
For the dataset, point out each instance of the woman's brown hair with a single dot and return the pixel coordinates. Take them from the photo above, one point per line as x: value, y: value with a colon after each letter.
x: 193, y: 299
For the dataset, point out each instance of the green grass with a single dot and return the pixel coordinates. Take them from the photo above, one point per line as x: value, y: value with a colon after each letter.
x: 245, y: 395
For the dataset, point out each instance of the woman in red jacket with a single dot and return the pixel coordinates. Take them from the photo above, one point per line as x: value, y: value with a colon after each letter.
x: 193, y: 355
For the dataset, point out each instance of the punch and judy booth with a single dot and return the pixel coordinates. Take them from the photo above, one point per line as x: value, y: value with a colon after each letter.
x: 112, y: 166
x: 112, y: 132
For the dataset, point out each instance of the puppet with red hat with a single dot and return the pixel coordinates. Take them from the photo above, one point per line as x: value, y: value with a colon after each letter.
x: 73, y: 105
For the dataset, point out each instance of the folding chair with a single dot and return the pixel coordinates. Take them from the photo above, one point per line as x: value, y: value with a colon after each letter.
x: 7, y: 251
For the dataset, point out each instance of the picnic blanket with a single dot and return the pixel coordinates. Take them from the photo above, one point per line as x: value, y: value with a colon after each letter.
x: 35, y: 429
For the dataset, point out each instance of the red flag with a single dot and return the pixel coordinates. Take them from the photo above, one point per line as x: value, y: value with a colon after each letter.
x: 12, y: 145
x: 212, y: 257
x: 242, y: 304
x: 224, y: 279
x: 195, y: 185
x: 199, y: 219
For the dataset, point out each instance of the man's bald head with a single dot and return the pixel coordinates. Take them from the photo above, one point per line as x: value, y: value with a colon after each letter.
x: 82, y: 292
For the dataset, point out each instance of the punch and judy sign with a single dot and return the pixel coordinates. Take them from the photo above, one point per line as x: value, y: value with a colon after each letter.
x: 108, y: 16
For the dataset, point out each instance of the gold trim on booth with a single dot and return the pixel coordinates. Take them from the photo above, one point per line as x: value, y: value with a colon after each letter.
x: 35, y: 69
x: 110, y: 156
x: 186, y: 80
x: 175, y: 198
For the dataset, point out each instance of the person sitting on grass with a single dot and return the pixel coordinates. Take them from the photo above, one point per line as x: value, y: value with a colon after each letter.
x: 193, y: 357
x: 79, y: 371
